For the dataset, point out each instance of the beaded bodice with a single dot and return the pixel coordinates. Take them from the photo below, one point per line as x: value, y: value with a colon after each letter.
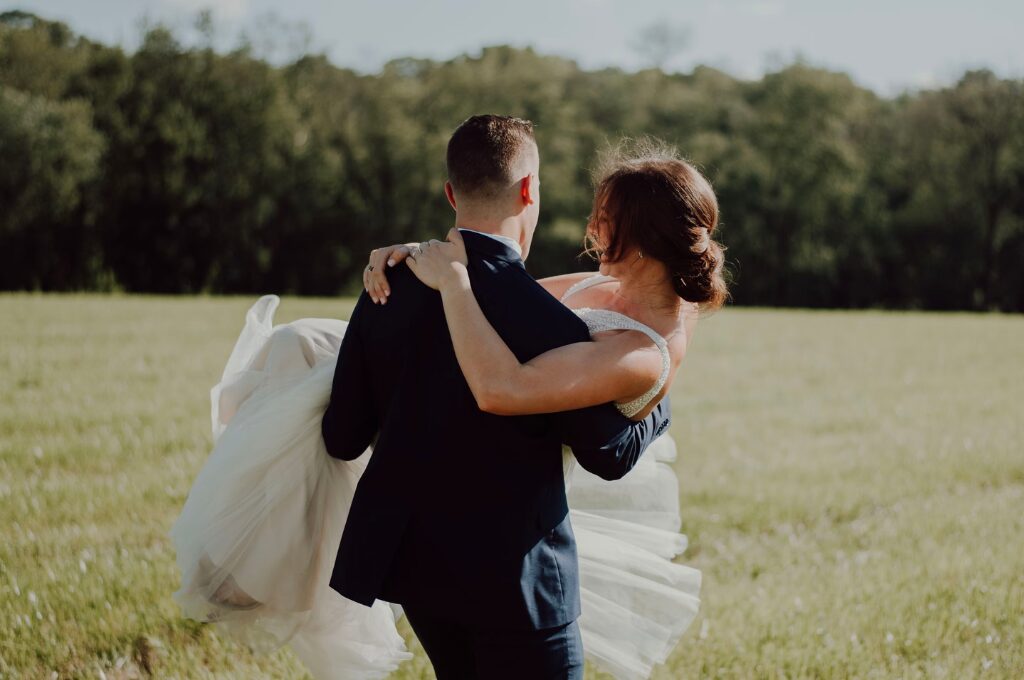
x: 600, y: 320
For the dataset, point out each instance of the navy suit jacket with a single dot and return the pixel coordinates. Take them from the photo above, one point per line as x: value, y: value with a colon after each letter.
x: 459, y: 511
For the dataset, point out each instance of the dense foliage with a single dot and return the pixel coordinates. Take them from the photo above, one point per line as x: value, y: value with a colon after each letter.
x: 177, y: 168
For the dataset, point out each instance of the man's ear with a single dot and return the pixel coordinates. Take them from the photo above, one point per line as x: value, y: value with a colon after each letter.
x: 449, y: 192
x: 526, y: 190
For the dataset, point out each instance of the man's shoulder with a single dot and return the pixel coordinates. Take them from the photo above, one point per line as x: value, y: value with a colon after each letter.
x: 408, y: 298
x: 522, y: 310
x: 401, y: 276
x: 405, y: 288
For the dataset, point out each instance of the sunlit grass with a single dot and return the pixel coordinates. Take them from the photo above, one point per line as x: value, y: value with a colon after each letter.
x: 852, y: 485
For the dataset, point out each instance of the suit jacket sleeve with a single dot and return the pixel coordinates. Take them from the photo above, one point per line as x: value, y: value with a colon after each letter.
x: 350, y: 421
x: 609, y: 444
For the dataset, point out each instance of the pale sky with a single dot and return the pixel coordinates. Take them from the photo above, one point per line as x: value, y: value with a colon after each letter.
x: 888, y: 45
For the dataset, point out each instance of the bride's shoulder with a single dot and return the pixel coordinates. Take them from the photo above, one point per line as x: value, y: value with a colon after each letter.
x: 561, y: 285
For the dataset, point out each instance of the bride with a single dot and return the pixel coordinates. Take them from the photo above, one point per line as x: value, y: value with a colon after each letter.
x: 258, y: 534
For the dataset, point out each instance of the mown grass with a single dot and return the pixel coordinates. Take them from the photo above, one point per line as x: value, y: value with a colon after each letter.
x: 852, y: 485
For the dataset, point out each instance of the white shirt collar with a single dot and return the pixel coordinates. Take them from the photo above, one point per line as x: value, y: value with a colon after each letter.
x: 514, y: 245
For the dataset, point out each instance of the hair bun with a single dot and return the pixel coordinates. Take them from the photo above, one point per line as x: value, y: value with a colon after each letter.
x: 699, y: 278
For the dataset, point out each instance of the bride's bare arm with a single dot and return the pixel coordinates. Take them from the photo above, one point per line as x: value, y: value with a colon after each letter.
x: 614, y: 368
x: 617, y: 368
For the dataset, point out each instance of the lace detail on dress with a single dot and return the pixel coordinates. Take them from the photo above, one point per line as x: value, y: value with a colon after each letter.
x: 600, y: 320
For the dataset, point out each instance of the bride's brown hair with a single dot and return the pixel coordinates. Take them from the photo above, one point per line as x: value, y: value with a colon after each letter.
x: 656, y: 203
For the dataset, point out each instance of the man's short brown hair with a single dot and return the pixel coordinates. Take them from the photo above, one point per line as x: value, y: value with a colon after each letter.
x: 483, y: 153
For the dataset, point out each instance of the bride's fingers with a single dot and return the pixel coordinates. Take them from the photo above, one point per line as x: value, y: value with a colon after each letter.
x: 379, y: 283
x: 367, y: 285
x: 389, y: 257
x: 423, y: 266
x: 376, y: 280
x: 397, y: 255
x: 374, y: 291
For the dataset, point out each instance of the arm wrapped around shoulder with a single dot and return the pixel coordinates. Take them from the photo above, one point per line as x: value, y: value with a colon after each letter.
x: 609, y: 444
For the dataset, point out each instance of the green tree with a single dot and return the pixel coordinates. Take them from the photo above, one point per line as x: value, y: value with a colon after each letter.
x: 49, y: 153
x: 194, y: 172
x: 795, y: 224
x: 960, y: 180
x: 180, y: 169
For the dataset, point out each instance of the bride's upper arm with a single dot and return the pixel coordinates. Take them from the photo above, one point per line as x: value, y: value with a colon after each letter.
x: 559, y: 285
x: 614, y: 368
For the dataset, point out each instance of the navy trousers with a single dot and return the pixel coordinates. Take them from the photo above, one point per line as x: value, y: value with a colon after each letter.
x: 461, y: 652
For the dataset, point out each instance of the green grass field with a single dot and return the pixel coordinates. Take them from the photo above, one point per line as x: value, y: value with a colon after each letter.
x: 852, y: 485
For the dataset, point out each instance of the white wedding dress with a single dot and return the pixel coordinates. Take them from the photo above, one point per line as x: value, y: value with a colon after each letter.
x: 258, y: 534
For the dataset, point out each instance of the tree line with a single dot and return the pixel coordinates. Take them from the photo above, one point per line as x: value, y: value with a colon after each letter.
x: 179, y: 168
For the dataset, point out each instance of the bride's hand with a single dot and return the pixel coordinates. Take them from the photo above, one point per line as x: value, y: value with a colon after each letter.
x: 437, y: 262
x: 375, y: 280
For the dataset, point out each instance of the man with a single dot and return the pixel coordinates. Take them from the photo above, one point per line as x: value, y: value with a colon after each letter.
x: 461, y: 516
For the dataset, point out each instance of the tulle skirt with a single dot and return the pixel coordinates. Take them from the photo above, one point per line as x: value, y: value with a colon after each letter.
x: 636, y: 601
x: 257, y: 537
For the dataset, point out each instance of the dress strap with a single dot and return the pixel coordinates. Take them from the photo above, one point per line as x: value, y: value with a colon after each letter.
x: 583, y: 284
x: 600, y: 320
